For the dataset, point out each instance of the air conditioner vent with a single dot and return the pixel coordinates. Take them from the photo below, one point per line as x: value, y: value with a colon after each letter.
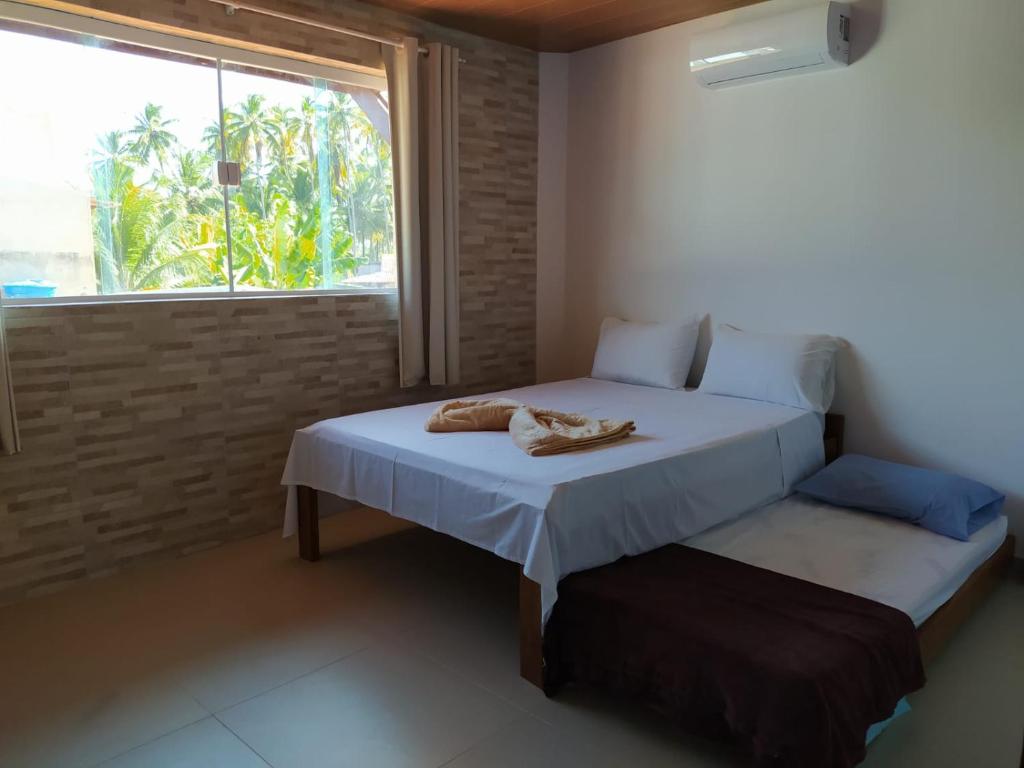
x: 799, y: 41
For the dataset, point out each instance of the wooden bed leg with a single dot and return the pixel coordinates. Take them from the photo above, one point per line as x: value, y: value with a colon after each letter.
x: 531, y: 649
x: 309, y: 524
x: 835, y: 427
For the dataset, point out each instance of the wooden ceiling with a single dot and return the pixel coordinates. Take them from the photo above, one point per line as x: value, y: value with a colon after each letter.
x: 559, y: 25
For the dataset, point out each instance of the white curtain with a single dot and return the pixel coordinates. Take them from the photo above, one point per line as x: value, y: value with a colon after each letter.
x: 442, y: 136
x: 424, y: 150
x: 402, y: 66
x: 10, y: 442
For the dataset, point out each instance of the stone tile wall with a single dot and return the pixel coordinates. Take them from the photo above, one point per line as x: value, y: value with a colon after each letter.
x: 155, y: 429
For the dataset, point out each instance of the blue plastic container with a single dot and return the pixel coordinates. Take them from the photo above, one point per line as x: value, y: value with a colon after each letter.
x: 29, y: 289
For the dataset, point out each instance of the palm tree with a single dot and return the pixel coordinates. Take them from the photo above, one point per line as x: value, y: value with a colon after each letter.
x: 247, y: 130
x: 284, y: 135
x: 111, y: 147
x: 137, y: 236
x: 371, y: 183
x: 340, y: 124
x: 151, y: 135
x: 308, y: 118
x: 191, y: 182
x: 211, y: 139
x: 340, y: 120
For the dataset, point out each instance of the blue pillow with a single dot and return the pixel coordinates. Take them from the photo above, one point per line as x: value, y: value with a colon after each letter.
x: 946, y: 504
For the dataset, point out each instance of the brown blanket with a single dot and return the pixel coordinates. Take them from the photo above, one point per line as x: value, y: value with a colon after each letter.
x: 793, y: 671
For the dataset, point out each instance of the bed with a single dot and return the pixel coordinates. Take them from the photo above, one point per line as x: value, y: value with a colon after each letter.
x: 795, y: 631
x: 882, y: 559
x: 935, y: 580
x: 696, y: 460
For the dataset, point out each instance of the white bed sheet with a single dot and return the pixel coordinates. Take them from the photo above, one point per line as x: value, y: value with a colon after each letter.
x: 695, y: 461
x: 876, y: 557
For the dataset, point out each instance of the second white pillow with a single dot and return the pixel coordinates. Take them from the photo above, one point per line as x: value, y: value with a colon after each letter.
x: 794, y: 370
x: 651, y: 354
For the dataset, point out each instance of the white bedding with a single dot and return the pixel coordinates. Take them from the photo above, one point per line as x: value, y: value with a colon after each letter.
x: 696, y: 460
x: 876, y: 557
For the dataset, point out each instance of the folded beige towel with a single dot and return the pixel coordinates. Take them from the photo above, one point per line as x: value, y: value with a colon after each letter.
x: 537, y: 431
x: 544, y: 433
x: 472, y: 416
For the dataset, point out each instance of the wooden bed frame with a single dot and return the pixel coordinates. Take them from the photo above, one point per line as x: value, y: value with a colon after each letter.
x: 933, y: 634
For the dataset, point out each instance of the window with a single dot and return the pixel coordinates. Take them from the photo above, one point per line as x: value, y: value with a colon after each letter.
x: 114, y: 144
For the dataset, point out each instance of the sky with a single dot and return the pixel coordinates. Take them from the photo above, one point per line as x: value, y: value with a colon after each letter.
x: 54, y: 111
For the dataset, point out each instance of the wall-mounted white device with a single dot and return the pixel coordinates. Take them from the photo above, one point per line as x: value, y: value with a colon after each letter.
x: 806, y: 40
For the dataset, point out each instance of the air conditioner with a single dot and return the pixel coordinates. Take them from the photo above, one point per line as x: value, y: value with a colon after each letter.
x: 805, y: 40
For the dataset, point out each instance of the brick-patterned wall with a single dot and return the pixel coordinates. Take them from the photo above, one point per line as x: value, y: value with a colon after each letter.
x: 154, y: 429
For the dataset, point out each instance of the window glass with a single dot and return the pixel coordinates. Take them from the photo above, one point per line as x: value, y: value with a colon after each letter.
x: 314, y: 207
x: 106, y: 186
x: 109, y: 178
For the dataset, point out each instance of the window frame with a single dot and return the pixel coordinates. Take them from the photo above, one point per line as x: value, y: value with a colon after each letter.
x: 217, y: 54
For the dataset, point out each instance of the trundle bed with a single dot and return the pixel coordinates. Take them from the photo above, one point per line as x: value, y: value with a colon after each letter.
x: 795, y: 632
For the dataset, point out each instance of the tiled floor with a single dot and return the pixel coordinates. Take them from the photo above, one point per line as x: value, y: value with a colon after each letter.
x: 395, y: 652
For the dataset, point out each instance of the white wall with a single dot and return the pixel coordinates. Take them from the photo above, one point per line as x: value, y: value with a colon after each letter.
x: 551, y: 182
x: 46, y: 234
x: 883, y: 203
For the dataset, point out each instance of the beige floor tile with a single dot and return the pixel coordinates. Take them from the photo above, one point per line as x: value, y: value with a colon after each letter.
x: 76, y: 724
x: 380, y: 707
x: 529, y: 743
x: 628, y: 735
x: 206, y: 744
x: 264, y: 652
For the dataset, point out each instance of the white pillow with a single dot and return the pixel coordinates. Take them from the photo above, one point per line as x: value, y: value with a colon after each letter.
x: 791, y: 370
x: 652, y: 354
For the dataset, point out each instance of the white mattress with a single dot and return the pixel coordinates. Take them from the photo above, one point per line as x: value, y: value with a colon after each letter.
x: 695, y: 461
x: 876, y: 557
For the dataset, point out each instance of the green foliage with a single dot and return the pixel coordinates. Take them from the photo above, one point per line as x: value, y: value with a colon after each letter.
x: 315, y: 201
x: 140, y: 243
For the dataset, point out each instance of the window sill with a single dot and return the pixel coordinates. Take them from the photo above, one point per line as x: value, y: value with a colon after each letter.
x: 60, y: 301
